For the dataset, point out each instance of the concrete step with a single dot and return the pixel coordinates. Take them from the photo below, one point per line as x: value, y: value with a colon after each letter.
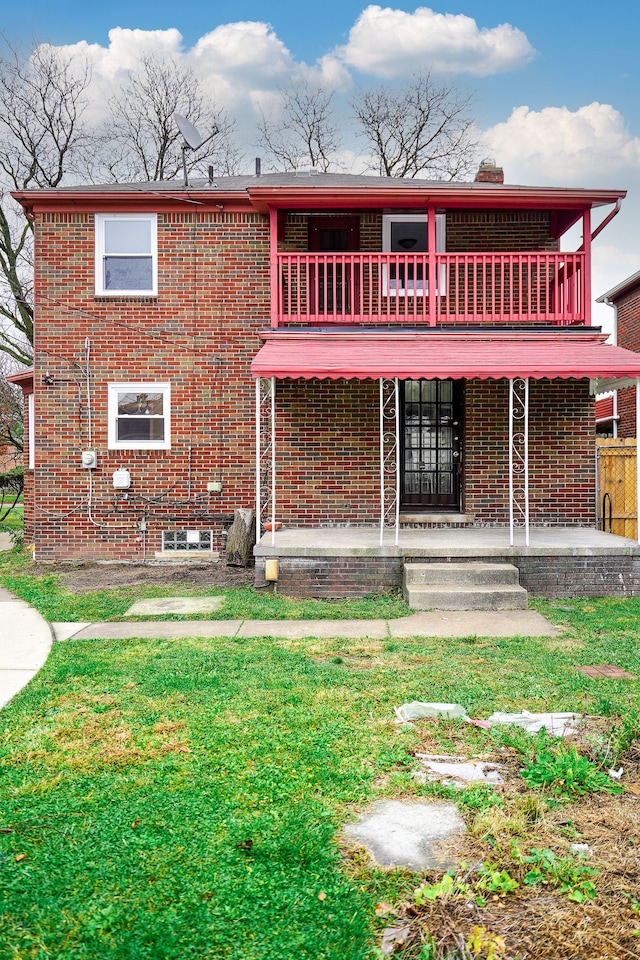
x: 462, y: 573
x: 463, y: 586
x: 489, y: 597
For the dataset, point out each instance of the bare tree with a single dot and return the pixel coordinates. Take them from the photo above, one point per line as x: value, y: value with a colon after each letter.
x: 41, y: 103
x: 304, y: 133
x: 424, y: 129
x: 141, y: 140
x: 11, y: 408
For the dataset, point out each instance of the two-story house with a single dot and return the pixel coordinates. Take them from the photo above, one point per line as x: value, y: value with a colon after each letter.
x: 368, y: 362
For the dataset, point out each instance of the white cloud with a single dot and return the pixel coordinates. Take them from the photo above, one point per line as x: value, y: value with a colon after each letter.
x: 586, y: 147
x: 391, y: 43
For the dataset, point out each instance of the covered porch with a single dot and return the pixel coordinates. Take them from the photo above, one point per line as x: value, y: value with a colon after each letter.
x: 519, y: 455
x: 351, y: 561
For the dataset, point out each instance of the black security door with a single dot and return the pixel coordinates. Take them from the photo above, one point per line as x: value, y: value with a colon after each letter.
x: 431, y: 444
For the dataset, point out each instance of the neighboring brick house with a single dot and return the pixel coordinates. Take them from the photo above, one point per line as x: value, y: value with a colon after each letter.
x: 620, y: 406
x: 400, y: 332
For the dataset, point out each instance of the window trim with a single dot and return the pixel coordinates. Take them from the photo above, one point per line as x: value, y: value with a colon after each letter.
x: 113, y: 389
x: 100, y: 254
x: 419, y: 288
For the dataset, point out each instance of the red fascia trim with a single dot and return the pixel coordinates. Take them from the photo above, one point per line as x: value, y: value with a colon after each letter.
x: 496, y: 196
x: 41, y: 201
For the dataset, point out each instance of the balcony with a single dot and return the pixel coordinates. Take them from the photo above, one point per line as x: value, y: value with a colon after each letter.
x: 431, y: 289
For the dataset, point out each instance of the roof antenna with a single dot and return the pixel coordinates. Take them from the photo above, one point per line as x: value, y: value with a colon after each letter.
x: 192, y: 140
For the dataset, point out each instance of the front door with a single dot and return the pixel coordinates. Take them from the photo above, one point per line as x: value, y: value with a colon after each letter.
x: 334, y: 288
x: 431, y: 444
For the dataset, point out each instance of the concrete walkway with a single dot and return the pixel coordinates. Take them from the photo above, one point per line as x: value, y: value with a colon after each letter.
x: 480, y: 623
x: 25, y: 642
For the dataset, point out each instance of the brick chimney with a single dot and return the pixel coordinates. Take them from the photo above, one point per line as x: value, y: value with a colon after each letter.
x: 488, y: 172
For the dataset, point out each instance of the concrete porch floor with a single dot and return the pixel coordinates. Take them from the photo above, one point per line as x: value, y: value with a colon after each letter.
x: 442, y: 541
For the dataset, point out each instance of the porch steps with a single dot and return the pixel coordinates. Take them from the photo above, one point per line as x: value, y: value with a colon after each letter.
x: 463, y: 586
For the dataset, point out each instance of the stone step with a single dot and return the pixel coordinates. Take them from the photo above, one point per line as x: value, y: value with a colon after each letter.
x: 463, y: 586
x: 416, y: 574
x: 459, y: 597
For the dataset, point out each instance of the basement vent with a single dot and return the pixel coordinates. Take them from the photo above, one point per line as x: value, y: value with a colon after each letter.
x: 187, y: 540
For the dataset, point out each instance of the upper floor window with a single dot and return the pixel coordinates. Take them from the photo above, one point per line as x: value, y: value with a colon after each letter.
x: 406, y: 233
x: 139, y: 416
x: 126, y: 254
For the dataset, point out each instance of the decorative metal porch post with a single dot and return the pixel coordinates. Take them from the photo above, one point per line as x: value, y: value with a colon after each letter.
x: 265, y: 454
x: 637, y: 460
x: 519, y: 457
x: 389, y: 457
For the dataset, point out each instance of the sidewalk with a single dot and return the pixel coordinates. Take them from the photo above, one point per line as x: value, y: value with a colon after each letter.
x: 481, y: 623
x: 26, y: 638
x: 25, y: 642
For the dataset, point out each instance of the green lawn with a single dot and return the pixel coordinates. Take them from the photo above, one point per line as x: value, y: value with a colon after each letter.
x: 48, y: 595
x: 182, y: 799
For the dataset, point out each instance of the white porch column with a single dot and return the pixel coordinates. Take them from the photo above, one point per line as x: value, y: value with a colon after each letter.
x: 273, y: 461
x: 389, y: 456
x: 637, y: 460
x: 265, y: 454
x: 519, y: 458
x: 258, y: 455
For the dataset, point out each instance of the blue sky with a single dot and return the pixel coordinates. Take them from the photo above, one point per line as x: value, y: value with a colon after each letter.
x: 555, y: 83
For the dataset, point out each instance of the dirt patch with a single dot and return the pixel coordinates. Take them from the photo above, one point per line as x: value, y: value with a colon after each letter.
x: 106, y: 576
x: 538, y: 879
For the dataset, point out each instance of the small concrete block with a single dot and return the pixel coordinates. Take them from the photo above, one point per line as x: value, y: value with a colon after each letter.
x: 162, y: 605
x: 404, y: 834
x: 460, y: 773
x: 607, y: 671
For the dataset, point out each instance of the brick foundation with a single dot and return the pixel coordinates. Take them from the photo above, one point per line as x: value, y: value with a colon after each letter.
x: 542, y: 576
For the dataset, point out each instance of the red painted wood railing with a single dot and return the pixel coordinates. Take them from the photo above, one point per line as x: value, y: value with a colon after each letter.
x: 347, y: 288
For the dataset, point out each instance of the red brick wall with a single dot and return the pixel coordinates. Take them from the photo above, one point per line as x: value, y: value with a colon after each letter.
x: 468, y: 231
x: 476, y: 231
x: 328, y: 459
x: 561, y: 451
x: 200, y: 333
x: 628, y: 312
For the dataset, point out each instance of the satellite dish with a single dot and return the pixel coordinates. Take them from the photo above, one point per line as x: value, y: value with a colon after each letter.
x: 189, y: 132
x: 192, y: 140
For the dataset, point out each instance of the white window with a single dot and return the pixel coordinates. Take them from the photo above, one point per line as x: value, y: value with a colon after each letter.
x: 126, y: 254
x: 406, y: 234
x: 139, y: 416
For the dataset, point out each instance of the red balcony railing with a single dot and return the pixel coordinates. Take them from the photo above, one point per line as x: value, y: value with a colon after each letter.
x: 352, y: 288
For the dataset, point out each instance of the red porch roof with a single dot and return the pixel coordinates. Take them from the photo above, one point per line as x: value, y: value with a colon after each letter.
x: 412, y: 355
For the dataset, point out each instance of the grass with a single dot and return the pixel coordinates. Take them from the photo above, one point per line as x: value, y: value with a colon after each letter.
x: 12, y: 523
x: 183, y: 799
x: 48, y: 595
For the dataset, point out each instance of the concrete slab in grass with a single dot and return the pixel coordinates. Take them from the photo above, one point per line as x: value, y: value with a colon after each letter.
x: 157, y: 606
x: 406, y: 834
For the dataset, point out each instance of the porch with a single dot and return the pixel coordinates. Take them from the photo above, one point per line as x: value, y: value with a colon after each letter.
x: 350, y: 561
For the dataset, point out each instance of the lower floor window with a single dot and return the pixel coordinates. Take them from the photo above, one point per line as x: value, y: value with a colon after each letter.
x: 139, y: 416
x: 186, y: 539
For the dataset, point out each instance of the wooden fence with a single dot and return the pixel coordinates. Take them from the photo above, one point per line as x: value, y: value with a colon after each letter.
x: 617, y: 509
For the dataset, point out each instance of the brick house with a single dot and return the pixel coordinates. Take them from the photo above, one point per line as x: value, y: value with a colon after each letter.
x: 619, y: 408
x: 343, y: 353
